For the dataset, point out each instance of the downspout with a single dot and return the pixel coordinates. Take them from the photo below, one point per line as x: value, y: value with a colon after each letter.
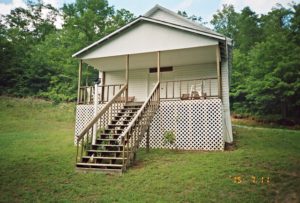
x: 228, y: 61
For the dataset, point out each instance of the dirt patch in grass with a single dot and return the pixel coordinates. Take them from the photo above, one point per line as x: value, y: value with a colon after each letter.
x: 230, y: 146
x: 138, y: 164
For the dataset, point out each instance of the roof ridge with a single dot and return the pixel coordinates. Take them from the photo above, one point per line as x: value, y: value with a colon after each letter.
x: 190, y: 28
x: 157, y: 7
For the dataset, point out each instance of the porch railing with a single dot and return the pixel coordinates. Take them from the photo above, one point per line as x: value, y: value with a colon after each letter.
x: 100, y: 121
x: 104, y: 93
x: 137, y: 128
x: 176, y: 89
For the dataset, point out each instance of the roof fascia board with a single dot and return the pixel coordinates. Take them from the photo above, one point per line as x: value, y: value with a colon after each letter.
x: 106, y: 37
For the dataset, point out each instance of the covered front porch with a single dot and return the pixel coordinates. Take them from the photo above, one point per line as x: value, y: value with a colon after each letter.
x: 184, y: 74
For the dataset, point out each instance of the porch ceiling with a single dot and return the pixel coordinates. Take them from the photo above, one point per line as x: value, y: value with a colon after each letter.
x: 180, y: 57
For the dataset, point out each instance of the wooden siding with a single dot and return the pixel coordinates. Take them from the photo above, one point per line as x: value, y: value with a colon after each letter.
x: 141, y: 81
x: 148, y: 37
x: 198, y: 71
x: 137, y: 85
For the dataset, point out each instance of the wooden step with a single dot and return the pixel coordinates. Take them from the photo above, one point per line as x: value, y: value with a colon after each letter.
x: 134, y: 104
x: 105, y: 151
x: 108, y: 136
x: 131, y: 108
x: 101, y: 140
x: 117, y: 125
x: 99, y: 170
x: 128, y: 117
x: 104, y: 157
x: 124, y: 121
x: 107, y: 145
x: 108, y: 130
x: 112, y: 134
x: 99, y: 165
x: 106, y: 139
x: 122, y: 113
x: 113, y: 131
x: 128, y: 111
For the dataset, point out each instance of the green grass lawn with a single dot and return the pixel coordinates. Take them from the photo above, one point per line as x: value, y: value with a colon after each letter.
x: 37, y: 160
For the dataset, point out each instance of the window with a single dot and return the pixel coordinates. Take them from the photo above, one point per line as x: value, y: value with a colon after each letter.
x: 162, y: 69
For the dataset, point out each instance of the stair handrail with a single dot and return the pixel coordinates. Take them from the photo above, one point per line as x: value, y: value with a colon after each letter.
x: 152, y: 98
x: 101, y: 120
x: 139, y: 112
x: 101, y: 112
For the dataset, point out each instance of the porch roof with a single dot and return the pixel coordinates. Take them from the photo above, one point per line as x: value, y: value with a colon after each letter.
x: 179, y: 57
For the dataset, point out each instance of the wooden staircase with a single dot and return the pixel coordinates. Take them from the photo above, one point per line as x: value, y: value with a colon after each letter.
x: 106, y: 154
x: 111, y: 139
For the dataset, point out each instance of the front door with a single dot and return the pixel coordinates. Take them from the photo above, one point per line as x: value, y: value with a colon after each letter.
x: 152, y: 80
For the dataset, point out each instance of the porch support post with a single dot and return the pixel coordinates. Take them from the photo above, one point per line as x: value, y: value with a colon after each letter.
x: 158, y: 73
x: 158, y: 66
x: 127, y: 77
x: 87, y: 76
x: 79, y: 81
x: 99, y: 74
x: 219, y: 72
x: 102, y: 86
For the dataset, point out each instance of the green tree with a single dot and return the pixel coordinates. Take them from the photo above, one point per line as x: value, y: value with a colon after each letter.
x: 24, y: 28
x: 275, y: 74
x: 225, y: 21
x: 265, y: 68
x: 248, y: 29
x: 36, y: 56
x: 90, y: 17
x: 77, y: 33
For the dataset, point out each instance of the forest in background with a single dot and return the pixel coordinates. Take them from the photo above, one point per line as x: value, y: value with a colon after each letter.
x: 35, y: 55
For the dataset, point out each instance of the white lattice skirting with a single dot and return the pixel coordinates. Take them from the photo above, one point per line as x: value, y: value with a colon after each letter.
x: 197, y: 124
x: 84, y: 114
